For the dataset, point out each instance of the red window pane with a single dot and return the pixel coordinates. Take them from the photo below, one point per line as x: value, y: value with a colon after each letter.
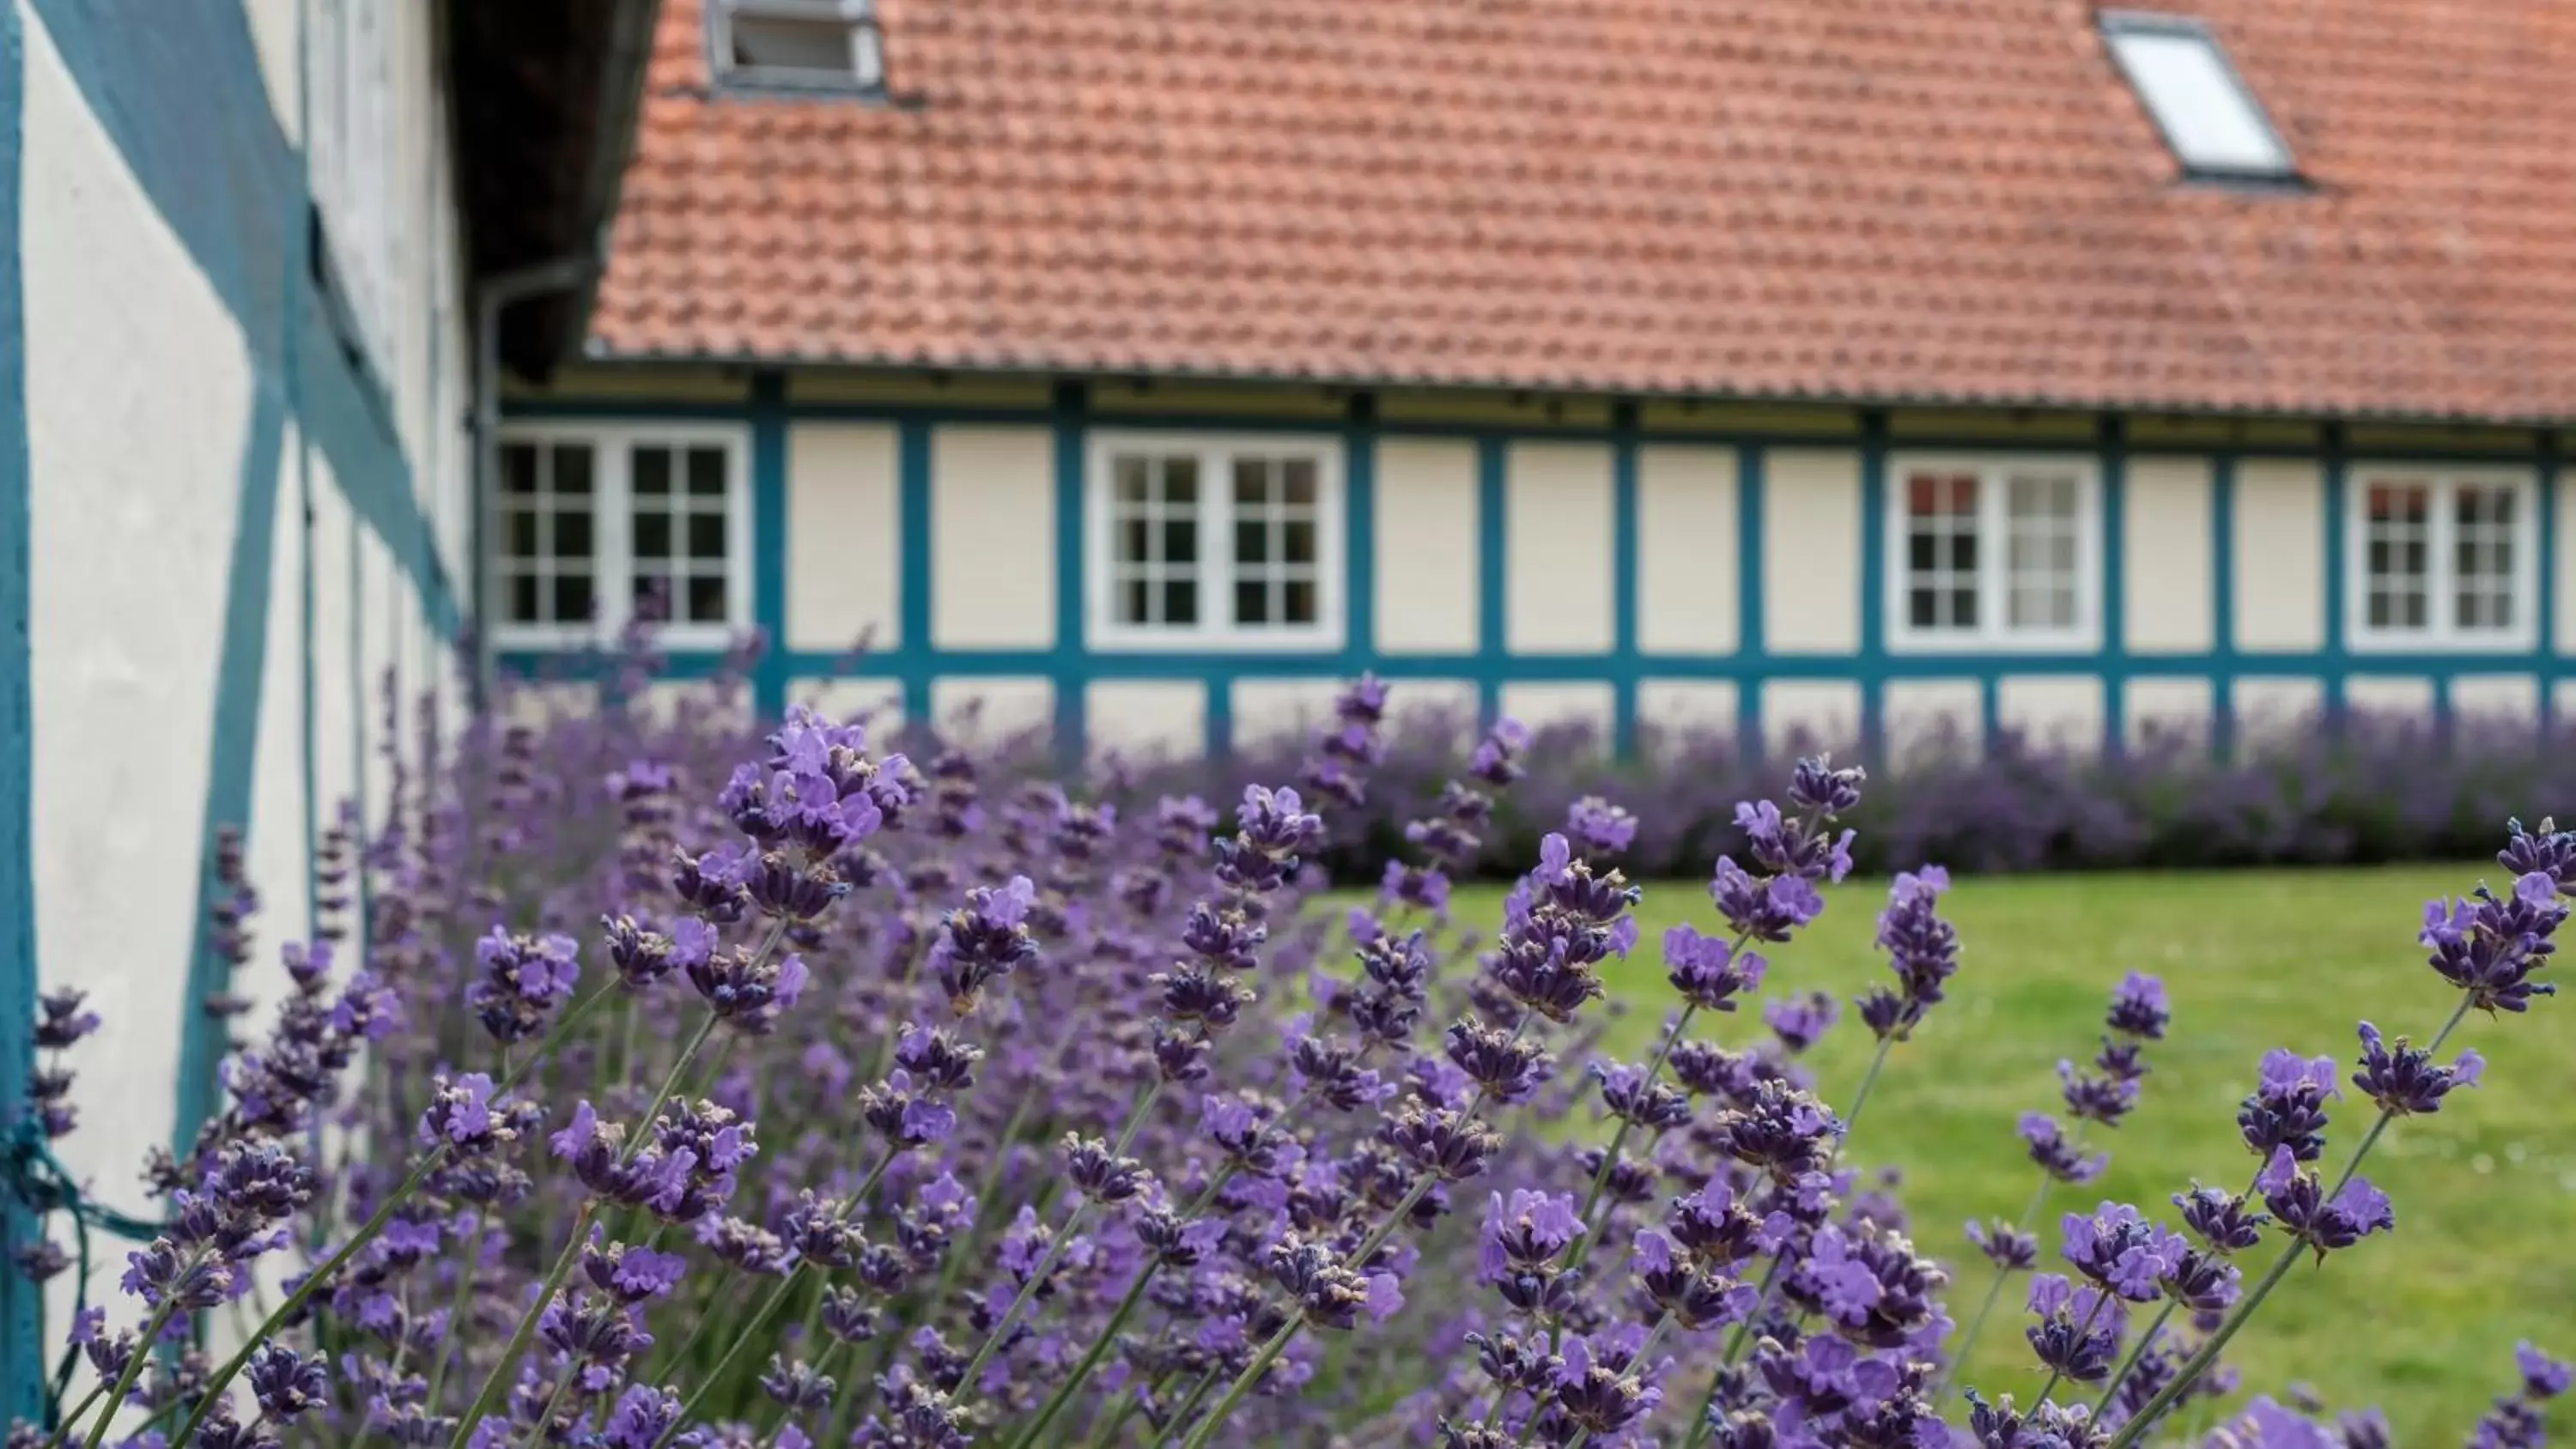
x: 1929, y: 495
x: 2394, y: 501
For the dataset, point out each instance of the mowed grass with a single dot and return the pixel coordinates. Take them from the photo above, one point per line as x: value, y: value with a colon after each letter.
x: 2421, y: 1323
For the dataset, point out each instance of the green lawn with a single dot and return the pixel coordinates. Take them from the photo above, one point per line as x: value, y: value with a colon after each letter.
x: 2421, y: 1323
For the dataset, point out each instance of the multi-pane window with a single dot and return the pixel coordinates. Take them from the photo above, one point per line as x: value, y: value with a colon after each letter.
x: 1992, y: 554
x: 597, y: 528
x: 2442, y: 559
x: 1225, y: 541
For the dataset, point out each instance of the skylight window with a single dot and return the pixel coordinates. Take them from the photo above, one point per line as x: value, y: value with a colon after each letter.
x: 2197, y: 99
x: 804, y: 44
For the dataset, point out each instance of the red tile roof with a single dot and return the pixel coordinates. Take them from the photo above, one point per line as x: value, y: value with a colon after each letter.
x: 1891, y: 200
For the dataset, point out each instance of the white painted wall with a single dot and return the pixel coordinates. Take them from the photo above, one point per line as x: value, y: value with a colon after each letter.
x: 1811, y: 551
x: 992, y: 538
x: 2052, y: 710
x: 2391, y: 696
x: 1686, y: 550
x: 877, y: 703
x: 138, y: 392
x: 2497, y: 697
x: 2272, y: 708
x: 2280, y: 555
x: 1542, y: 705
x: 1815, y: 712
x: 141, y: 390
x: 2166, y: 590
x: 1679, y: 710
x: 991, y: 710
x: 844, y: 536
x: 1928, y: 718
x: 1560, y: 575
x: 1267, y: 711
x: 2158, y: 708
x: 1145, y: 719
x: 1426, y: 553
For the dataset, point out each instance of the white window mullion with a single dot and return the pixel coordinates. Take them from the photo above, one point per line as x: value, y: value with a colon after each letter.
x: 613, y: 568
x: 1994, y: 524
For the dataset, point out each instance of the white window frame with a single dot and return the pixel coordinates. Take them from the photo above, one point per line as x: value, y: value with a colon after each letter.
x: 1215, y: 629
x: 866, y: 73
x: 2441, y: 633
x: 612, y: 534
x: 1992, y: 635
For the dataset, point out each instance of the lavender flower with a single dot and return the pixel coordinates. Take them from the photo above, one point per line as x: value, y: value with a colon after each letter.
x: 523, y: 978
x: 2079, y: 1329
x: 2403, y: 1079
x: 2121, y: 1251
x: 2298, y: 1200
x: 1708, y: 971
x: 2055, y: 1154
x: 2490, y: 946
x: 2287, y: 1108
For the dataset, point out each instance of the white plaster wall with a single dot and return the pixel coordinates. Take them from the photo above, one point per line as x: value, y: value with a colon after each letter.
x: 1686, y: 550
x: 1426, y: 546
x: 1811, y: 551
x: 2391, y: 696
x: 1271, y: 710
x: 992, y: 538
x: 273, y: 33
x: 2566, y: 556
x: 1425, y: 704
x: 1145, y: 719
x: 2280, y: 555
x: 1933, y: 717
x: 1815, y: 712
x: 1541, y: 706
x: 2269, y: 709
x: 2501, y: 698
x: 2052, y: 710
x: 844, y: 542
x: 380, y: 640
x: 876, y: 703
x: 670, y: 700
x: 537, y: 704
x: 2562, y: 701
x: 1681, y: 710
x: 2162, y: 707
x: 276, y: 826
x: 1560, y: 579
x: 2166, y: 583
x: 335, y: 720
x: 138, y: 392
x: 986, y: 711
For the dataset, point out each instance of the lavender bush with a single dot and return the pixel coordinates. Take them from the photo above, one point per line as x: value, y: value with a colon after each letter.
x: 676, y: 1087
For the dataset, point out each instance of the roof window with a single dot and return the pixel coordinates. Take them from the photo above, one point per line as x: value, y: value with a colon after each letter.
x: 798, y: 44
x: 2197, y: 99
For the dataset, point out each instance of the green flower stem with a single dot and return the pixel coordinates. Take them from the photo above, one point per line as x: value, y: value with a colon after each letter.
x: 496, y: 1383
x: 1860, y: 1099
x: 456, y: 1306
x: 1976, y: 1325
x: 1011, y: 1316
x: 96, y: 1391
x: 760, y: 1317
x: 1189, y: 1405
x: 1243, y: 1381
x: 1091, y: 1357
x: 2137, y: 1351
x: 2200, y: 1362
x: 143, y: 1346
x: 1581, y: 1247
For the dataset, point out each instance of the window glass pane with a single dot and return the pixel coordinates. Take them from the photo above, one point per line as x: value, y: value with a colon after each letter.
x: 1302, y: 605
x: 652, y: 470
x: 518, y: 468
x: 519, y: 534
x: 1251, y: 481
x: 653, y: 535
x: 707, y: 472
x: 1181, y: 480
x: 1921, y: 608
x: 1919, y: 548
x: 1251, y: 541
x: 1132, y: 596
x: 1180, y: 601
x: 1300, y: 541
x: 706, y: 600
x: 1300, y: 474
x: 572, y: 468
x: 572, y: 533
x: 523, y: 599
x: 572, y: 598
x: 1963, y: 552
x: 1251, y: 602
x: 813, y: 47
x: 2198, y: 103
x: 707, y: 536
x: 1130, y: 471
x: 1132, y: 538
x: 1181, y: 541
